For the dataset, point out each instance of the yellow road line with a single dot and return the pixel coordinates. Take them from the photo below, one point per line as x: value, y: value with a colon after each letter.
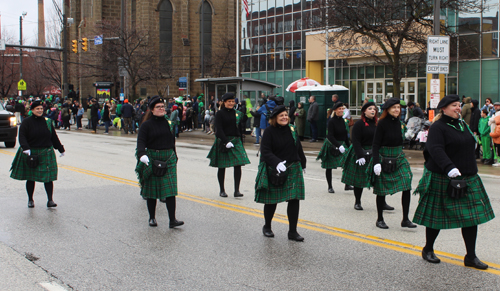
x: 339, y: 232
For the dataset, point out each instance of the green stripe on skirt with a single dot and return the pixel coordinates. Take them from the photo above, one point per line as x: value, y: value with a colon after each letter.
x: 46, y: 171
x: 293, y: 188
x: 237, y: 156
x: 154, y: 187
x: 354, y: 174
x: 437, y: 210
x: 397, y: 181
x: 328, y: 161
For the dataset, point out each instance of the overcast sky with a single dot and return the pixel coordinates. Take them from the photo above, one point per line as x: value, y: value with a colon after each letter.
x: 10, y: 10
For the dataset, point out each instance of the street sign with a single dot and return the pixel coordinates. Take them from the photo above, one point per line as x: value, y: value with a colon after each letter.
x: 437, y: 69
x: 182, y: 83
x: 2, y: 44
x: 21, y: 85
x: 435, y: 86
x: 435, y: 100
x: 438, y: 49
x: 97, y: 39
x: 122, y: 96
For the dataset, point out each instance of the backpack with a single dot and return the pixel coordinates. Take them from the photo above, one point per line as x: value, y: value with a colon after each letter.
x: 268, y: 112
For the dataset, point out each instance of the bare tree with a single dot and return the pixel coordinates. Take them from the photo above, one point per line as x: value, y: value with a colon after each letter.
x: 8, y: 68
x: 390, y: 32
x: 223, y: 61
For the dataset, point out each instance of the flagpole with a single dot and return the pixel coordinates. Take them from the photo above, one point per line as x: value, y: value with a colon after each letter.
x: 238, y: 38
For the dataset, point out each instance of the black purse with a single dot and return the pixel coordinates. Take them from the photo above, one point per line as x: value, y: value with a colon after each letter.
x: 368, y: 154
x: 159, y: 168
x: 389, y: 165
x: 275, y: 178
x: 32, y: 161
x: 334, y: 151
x: 457, y: 189
x: 222, y: 147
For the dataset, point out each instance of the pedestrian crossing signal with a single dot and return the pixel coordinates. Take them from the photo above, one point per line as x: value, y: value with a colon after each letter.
x: 75, y: 46
x: 85, y: 44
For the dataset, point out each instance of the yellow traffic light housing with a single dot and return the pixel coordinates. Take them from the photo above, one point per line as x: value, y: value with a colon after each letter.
x: 85, y: 44
x: 75, y: 46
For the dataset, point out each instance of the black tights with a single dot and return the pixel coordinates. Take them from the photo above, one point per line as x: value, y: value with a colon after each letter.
x: 30, y: 188
x: 328, y: 174
x: 405, y: 202
x: 237, y: 178
x: 357, y: 194
x: 170, y: 202
x: 292, y: 212
x: 468, y: 233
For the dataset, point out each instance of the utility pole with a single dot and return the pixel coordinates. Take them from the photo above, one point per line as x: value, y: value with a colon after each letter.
x: 65, y: 50
x: 21, y: 44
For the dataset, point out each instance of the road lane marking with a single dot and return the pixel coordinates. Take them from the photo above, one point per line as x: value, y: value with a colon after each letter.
x: 52, y: 286
x: 339, y: 232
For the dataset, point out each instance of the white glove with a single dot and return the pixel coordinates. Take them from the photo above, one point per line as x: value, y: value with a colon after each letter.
x: 145, y: 160
x: 304, y: 170
x: 377, y: 169
x: 281, y: 167
x: 361, y: 161
x: 27, y: 152
x: 342, y: 149
x: 454, y: 173
x: 62, y: 155
x: 229, y: 145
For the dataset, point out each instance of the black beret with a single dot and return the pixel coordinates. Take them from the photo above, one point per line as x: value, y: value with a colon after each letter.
x: 368, y: 104
x: 277, y: 110
x: 447, y: 100
x: 337, y: 105
x: 36, y: 103
x: 154, y: 101
x: 391, y: 102
x: 227, y: 96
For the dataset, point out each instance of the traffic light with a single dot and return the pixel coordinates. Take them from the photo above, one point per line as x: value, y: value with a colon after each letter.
x: 75, y: 46
x: 85, y: 44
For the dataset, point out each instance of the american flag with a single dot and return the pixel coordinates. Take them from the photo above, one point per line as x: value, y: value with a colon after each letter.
x: 245, y: 4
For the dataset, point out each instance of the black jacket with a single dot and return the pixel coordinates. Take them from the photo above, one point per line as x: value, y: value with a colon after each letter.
x: 362, y: 135
x: 34, y: 133
x: 475, y: 116
x: 337, y: 131
x: 225, y: 124
x: 291, y: 111
x: 278, y: 145
x: 154, y: 134
x: 388, y: 133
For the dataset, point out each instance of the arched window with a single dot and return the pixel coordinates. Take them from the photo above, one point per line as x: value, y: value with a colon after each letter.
x: 166, y: 34
x: 205, y: 36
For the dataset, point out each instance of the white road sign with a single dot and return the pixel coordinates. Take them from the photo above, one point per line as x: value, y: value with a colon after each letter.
x: 437, y: 69
x: 2, y: 44
x: 435, y: 87
x: 438, y: 49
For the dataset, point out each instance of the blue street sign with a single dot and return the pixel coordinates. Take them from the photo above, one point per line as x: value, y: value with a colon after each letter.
x: 182, y: 83
x: 97, y: 39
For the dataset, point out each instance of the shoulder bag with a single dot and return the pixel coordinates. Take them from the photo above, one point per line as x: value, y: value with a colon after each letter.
x: 457, y: 188
x: 159, y: 168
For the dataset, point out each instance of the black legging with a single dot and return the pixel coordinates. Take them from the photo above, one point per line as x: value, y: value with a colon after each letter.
x: 469, y: 235
x: 357, y: 194
x: 30, y: 188
x: 405, y: 202
x: 237, y: 178
x: 292, y: 212
x: 169, y: 201
x: 328, y: 174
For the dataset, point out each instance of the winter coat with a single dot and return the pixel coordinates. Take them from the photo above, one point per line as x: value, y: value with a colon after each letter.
x: 300, y: 120
x: 475, y: 116
x: 496, y: 134
x: 484, y: 128
x: 263, y: 110
x: 313, y: 112
x: 291, y: 111
x: 466, y: 110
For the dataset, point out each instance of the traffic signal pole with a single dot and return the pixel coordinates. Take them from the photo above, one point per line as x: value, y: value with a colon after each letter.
x: 65, y: 50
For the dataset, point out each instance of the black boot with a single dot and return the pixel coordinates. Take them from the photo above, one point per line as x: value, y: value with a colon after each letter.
x: 348, y: 188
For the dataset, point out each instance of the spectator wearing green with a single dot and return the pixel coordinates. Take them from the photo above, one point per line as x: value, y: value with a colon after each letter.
x: 484, y: 133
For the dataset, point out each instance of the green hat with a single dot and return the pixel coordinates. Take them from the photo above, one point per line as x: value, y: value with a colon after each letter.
x: 402, y: 102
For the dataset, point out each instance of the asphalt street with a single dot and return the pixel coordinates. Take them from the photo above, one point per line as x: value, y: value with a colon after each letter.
x: 98, y: 237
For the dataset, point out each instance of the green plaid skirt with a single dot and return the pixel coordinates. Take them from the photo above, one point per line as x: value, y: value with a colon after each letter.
x: 46, y: 171
x: 397, y: 181
x: 293, y: 188
x: 154, y: 187
x: 237, y: 156
x: 437, y: 210
x: 354, y: 174
x: 328, y: 161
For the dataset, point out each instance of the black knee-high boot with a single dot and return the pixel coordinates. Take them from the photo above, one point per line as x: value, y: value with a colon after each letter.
x: 151, y: 208
x: 470, y: 235
x: 30, y: 188
x: 328, y: 174
x: 237, y: 180
x: 221, y: 176
x: 269, y: 210
x: 430, y: 237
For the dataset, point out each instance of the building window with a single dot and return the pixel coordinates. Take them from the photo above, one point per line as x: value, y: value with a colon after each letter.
x: 166, y: 34
x: 205, y: 36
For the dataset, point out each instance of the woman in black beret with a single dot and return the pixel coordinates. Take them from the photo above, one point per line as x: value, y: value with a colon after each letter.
x: 35, y: 160
x: 280, y: 175
x: 157, y: 161
x: 449, y: 157
x: 335, y: 145
x: 392, y: 170
x: 227, y: 150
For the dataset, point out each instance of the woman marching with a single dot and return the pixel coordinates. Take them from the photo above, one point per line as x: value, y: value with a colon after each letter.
x: 446, y: 202
x: 227, y: 150
x: 280, y: 175
x: 335, y: 145
x: 392, y: 172
x: 35, y: 160
x: 157, y: 161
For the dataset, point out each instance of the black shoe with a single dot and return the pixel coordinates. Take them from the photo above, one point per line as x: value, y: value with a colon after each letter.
x: 381, y: 224
x: 152, y: 222
x: 175, y: 223
x: 330, y: 190
x: 163, y: 200
x: 295, y: 236
x: 267, y: 231
x: 475, y: 263
x: 388, y: 207
x: 430, y: 257
x: 357, y: 206
x: 51, y: 204
x: 31, y: 204
x: 238, y: 194
x: 348, y: 188
x: 222, y: 194
x: 408, y: 223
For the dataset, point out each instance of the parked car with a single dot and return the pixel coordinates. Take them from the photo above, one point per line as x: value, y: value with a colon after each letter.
x: 8, y: 126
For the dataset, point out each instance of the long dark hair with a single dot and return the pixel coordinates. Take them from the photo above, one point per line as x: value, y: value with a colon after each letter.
x: 148, y: 115
x: 363, y: 116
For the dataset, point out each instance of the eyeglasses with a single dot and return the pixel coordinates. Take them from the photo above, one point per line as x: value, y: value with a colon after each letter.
x: 159, y: 107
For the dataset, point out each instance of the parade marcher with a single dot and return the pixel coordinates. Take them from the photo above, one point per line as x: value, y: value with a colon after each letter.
x: 227, y: 150
x: 35, y: 160
x: 280, y: 176
x: 392, y: 172
x: 300, y: 121
x: 449, y: 154
x: 335, y: 145
x: 157, y: 161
